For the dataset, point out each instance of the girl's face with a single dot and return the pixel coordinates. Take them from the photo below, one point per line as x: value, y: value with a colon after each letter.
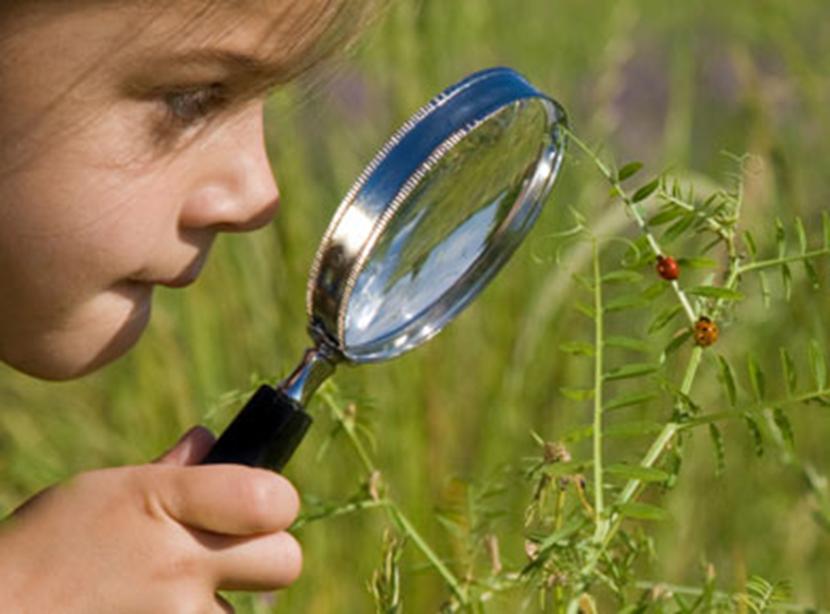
x: 129, y: 137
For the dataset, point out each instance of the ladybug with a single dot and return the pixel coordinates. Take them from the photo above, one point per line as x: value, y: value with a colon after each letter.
x: 705, y: 332
x: 667, y: 268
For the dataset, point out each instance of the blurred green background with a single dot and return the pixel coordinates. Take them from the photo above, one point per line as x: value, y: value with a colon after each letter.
x: 672, y: 84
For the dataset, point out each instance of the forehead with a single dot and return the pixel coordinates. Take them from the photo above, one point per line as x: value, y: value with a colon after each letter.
x: 280, y: 32
x: 272, y: 28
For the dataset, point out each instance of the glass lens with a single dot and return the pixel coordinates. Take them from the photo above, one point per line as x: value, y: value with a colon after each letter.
x: 453, y: 231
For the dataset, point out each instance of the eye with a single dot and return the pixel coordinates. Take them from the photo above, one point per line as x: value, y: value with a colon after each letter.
x: 192, y: 104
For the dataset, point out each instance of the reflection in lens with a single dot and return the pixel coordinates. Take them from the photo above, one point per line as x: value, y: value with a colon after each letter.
x: 467, y: 213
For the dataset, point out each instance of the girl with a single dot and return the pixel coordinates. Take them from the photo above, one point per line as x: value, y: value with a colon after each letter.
x: 130, y: 135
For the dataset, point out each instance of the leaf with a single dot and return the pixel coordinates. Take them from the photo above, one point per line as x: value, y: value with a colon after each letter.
x: 637, y: 472
x: 697, y: 263
x: 667, y: 214
x: 537, y: 438
x: 622, y: 276
x: 818, y: 365
x: 585, y: 310
x: 577, y: 394
x: 627, y: 343
x: 568, y: 468
x: 629, y: 170
x: 780, y: 238
x: 725, y: 294
x: 642, y: 511
x: 801, y: 234
x: 628, y: 400
x: 675, y: 188
x: 785, y: 426
x: 756, y: 378
x: 626, y: 301
x: 673, y: 463
x: 825, y: 225
x: 577, y: 348
x: 636, y: 369
x: 720, y: 451
x: 638, y: 253
x: 751, y: 247
x: 678, y: 228
x: 765, y: 291
x: 645, y: 191
x: 762, y: 596
x: 755, y: 431
x: 787, y: 280
x: 727, y: 377
x: 633, y: 429
x: 811, y: 274
x: 561, y: 535
x: 655, y: 290
x: 579, y: 434
x: 677, y: 342
x: 790, y: 374
x: 664, y: 317
x: 586, y: 282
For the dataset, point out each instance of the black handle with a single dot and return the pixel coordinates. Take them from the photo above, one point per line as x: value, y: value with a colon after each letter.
x: 264, y: 434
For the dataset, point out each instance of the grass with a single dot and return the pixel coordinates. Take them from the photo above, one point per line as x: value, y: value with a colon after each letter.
x: 672, y: 86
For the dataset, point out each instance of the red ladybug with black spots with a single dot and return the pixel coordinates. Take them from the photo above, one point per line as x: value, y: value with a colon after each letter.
x: 667, y: 268
x: 705, y: 332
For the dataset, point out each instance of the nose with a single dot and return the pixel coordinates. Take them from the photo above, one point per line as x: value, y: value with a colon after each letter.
x: 235, y: 189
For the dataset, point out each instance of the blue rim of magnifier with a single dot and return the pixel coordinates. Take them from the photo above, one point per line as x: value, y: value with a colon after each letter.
x: 364, y: 211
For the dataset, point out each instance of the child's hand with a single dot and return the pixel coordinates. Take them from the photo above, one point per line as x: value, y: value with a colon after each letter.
x: 153, y: 538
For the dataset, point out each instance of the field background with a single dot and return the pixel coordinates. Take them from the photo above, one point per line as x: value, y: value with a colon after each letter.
x: 671, y: 84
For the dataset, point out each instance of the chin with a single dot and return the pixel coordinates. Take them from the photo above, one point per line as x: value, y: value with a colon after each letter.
x: 77, y: 351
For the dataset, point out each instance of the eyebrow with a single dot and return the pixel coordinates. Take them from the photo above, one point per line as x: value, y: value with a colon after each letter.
x: 249, y: 68
x: 230, y: 59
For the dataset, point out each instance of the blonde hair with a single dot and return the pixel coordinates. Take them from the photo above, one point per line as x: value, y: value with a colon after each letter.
x: 309, y: 32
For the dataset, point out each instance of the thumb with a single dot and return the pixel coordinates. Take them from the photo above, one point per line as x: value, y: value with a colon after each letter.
x: 190, y: 449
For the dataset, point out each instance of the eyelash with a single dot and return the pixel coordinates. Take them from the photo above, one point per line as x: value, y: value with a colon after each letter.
x: 189, y: 106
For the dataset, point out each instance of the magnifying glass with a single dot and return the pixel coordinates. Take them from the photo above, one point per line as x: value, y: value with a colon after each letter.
x: 427, y: 225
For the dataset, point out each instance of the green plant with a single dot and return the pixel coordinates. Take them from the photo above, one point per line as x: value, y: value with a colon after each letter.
x: 662, y: 82
x: 587, y: 525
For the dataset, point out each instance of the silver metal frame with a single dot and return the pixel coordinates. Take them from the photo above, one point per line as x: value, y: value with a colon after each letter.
x: 391, y: 177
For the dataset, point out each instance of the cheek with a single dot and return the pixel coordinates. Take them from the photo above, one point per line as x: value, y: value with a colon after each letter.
x: 67, y: 245
x: 82, y: 238
x: 65, y: 255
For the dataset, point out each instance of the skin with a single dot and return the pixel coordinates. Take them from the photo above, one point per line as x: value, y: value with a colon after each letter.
x: 122, y: 157
x: 154, y: 538
x: 130, y: 136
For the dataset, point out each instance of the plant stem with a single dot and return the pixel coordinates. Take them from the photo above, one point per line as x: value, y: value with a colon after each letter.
x: 753, y: 409
x: 657, y: 448
x: 664, y: 437
x: 348, y: 426
x: 348, y: 508
x: 773, y: 262
x: 713, y: 224
x: 632, y: 207
x: 693, y: 591
x: 408, y: 528
x: 394, y: 511
x: 599, y: 336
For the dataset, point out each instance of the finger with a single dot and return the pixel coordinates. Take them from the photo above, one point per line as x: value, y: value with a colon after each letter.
x: 227, y: 499
x: 261, y: 563
x: 190, y: 449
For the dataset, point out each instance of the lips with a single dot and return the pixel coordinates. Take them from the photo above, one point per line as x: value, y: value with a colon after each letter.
x: 183, y: 278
